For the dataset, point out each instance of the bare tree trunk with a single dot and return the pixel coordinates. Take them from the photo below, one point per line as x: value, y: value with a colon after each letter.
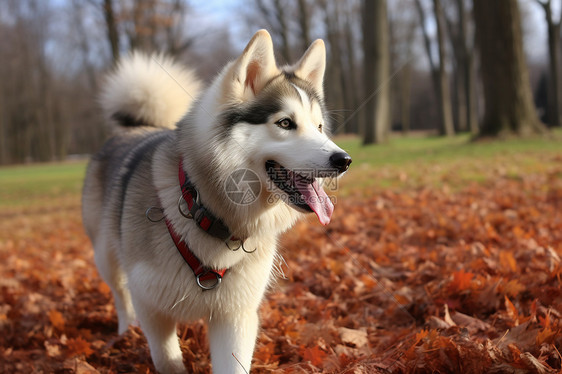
x: 426, y: 40
x: 459, y: 92
x: 507, y: 90
x: 553, y: 51
x: 176, y: 44
x: 155, y: 21
x: 44, y: 138
x: 467, y: 55
x: 459, y: 99
x: 275, y: 16
x: 464, y: 66
x: 438, y: 73
x: 304, y: 17
x: 6, y: 140
x: 145, y: 22
x: 454, y: 30
x: 472, y: 110
x: 446, y: 114
x: 77, y: 15
x: 405, y: 96
x: 376, y: 71
x: 283, y: 29
x: 112, y: 33
x: 336, y: 89
x: 352, y: 124
x: 3, y: 133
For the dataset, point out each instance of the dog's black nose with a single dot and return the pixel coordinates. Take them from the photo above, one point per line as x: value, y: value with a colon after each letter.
x: 340, y: 161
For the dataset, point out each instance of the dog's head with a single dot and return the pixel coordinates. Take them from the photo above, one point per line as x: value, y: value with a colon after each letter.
x: 275, y: 120
x: 278, y: 117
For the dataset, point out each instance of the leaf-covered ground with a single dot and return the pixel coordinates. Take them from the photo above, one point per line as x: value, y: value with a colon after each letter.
x: 450, y: 278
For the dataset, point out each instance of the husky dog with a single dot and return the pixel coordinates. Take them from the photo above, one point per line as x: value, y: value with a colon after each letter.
x: 170, y: 239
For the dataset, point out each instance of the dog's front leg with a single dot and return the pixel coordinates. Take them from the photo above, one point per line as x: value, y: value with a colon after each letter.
x: 232, y: 339
x: 160, y: 332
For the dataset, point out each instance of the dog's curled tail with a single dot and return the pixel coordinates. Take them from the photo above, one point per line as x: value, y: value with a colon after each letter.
x: 148, y: 90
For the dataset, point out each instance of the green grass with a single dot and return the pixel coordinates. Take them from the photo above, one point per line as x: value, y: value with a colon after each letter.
x: 416, y: 161
x: 404, y: 162
x: 31, y: 185
x: 400, y: 150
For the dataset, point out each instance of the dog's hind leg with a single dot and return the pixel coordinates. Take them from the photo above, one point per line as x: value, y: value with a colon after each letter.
x: 112, y: 273
x: 232, y: 340
x: 160, y: 331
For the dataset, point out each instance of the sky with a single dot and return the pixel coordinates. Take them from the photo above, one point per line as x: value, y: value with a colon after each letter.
x: 535, y: 26
x: 228, y: 14
x: 213, y: 15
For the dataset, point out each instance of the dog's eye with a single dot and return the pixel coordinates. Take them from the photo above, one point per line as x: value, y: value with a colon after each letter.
x: 286, y: 123
x: 320, y: 127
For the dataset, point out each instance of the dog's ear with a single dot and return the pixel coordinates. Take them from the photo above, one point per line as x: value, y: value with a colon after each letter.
x: 256, y: 66
x: 312, y: 65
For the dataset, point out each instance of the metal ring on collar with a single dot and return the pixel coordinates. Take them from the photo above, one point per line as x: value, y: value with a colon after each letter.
x: 237, y: 244
x: 152, y: 219
x: 186, y: 215
x: 244, y: 249
x: 206, y: 288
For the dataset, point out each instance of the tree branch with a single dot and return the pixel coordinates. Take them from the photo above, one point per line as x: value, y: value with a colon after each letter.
x: 426, y: 39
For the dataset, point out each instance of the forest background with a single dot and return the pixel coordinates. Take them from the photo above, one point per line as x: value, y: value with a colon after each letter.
x: 444, y: 252
x: 403, y: 65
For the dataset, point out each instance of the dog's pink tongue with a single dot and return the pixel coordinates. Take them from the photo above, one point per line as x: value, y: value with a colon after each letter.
x: 316, y: 198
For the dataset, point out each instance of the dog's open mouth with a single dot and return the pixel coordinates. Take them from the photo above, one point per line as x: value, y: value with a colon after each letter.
x: 302, y: 189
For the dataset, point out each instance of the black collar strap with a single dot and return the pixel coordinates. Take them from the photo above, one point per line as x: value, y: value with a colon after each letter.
x: 202, y: 217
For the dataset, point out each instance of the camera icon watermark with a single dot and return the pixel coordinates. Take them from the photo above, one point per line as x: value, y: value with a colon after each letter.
x: 243, y: 186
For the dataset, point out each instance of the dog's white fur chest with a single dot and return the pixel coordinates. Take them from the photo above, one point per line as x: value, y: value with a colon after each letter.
x: 247, y: 276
